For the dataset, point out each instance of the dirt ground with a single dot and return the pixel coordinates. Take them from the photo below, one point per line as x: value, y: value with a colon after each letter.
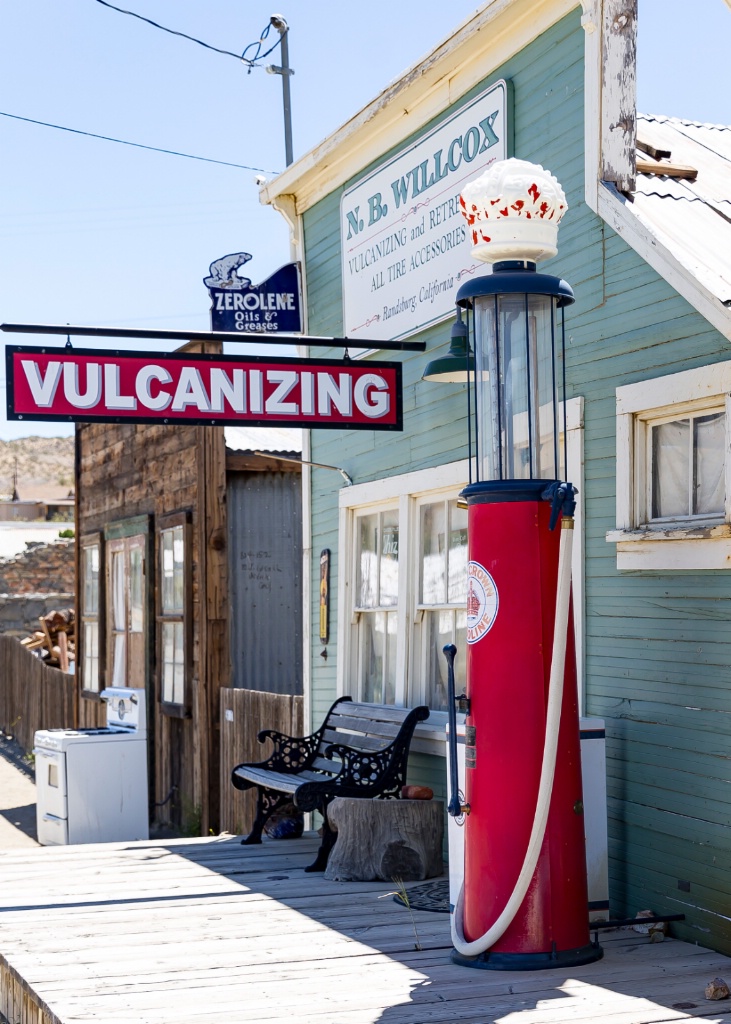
x: 17, y: 797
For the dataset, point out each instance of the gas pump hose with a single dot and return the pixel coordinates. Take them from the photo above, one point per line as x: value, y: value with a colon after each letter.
x: 548, y: 765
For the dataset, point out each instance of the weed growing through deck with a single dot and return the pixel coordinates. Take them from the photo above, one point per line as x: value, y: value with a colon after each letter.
x: 403, y: 894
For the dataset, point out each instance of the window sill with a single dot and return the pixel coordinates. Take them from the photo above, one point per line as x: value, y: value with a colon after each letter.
x: 674, y: 549
x: 94, y: 695
x: 430, y: 737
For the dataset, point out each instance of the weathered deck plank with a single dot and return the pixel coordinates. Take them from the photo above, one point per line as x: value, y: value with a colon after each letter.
x: 208, y: 931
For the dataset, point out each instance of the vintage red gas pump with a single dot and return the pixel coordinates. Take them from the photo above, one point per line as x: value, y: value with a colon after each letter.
x: 523, y: 904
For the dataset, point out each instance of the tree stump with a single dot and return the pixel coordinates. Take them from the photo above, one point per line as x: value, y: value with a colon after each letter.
x: 385, y: 839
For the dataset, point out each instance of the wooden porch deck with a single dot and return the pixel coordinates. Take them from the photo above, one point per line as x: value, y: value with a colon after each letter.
x: 206, y: 931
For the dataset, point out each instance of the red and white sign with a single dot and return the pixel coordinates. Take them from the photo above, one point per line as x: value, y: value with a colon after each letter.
x: 87, y: 386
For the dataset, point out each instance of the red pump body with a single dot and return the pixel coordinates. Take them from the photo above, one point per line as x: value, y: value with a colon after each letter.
x: 510, y: 638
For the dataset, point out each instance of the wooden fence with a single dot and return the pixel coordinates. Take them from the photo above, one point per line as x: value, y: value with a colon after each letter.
x: 243, y: 714
x: 32, y: 695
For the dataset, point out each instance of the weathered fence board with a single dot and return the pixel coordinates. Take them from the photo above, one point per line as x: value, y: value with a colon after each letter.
x: 243, y: 714
x: 32, y: 695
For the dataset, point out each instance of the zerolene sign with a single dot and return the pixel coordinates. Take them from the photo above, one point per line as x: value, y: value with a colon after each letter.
x: 404, y: 239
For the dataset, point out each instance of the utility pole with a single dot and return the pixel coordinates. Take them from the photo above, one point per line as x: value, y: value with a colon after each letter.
x: 286, y: 72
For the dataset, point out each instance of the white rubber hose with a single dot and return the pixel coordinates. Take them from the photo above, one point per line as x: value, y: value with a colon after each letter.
x: 548, y: 765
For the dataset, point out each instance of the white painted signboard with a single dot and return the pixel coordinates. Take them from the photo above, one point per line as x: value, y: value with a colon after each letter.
x: 404, y: 240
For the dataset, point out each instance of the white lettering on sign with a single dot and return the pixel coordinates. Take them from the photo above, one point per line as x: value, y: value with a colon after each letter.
x: 43, y: 389
x: 403, y: 238
x: 143, y: 391
x: 93, y: 385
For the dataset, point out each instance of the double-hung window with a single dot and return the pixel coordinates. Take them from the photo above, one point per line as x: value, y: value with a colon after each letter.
x: 441, y: 604
x: 403, y: 544
x: 173, y: 611
x: 673, y: 471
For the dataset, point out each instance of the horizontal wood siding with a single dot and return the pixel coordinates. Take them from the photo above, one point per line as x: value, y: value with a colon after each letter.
x: 657, y: 645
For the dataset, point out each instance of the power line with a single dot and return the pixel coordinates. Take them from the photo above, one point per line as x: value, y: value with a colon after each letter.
x: 174, y: 32
x: 138, y: 145
x: 251, y: 62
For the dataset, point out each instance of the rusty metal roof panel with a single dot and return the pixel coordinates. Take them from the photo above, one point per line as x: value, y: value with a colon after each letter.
x: 692, y: 218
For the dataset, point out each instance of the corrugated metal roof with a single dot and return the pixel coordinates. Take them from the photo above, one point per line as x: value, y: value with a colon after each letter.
x: 285, y: 440
x: 692, y: 218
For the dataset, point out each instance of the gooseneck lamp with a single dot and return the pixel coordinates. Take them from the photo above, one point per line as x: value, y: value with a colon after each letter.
x: 523, y: 902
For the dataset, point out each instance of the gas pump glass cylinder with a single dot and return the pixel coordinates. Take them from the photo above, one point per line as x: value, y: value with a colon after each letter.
x: 517, y: 368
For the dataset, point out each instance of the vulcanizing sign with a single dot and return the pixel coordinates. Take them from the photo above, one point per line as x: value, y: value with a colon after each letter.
x: 86, y: 386
x: 403, y: 237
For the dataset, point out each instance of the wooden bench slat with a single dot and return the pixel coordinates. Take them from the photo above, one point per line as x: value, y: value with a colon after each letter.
x: 356, y: 741
x: 371, y: 712
x: 388, y: 730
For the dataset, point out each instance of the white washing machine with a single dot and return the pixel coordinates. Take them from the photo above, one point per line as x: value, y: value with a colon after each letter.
x: 594, y: 784
x: 91, y: 784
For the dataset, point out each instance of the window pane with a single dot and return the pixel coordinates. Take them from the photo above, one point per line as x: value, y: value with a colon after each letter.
x: 433, y: 554
x: 709, y: 443
x: 457, y: 593
x: 90, y: 666
x: 368, y: 561
x: 118, y: 660
x: 172, y: 553
x: 91, y: 579
x: 136, y: 621
x: 670, y: 469
x: 119, y: 617
x: 389, y: 559
x: 372, y: 655
x: 173, y: 662
x: 378, y: 640
x: 444, y: 627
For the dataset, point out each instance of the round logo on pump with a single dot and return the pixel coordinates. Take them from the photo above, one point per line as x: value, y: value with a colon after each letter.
x: 482, y: 602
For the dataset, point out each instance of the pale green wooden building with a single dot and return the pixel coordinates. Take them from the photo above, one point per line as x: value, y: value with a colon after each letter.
x: 649, y: 376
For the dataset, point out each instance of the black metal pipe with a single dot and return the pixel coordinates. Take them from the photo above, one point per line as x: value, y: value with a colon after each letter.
x: 261, y: 338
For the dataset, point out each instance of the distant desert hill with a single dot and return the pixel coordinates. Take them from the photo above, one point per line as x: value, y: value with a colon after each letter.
x: 45, y: 467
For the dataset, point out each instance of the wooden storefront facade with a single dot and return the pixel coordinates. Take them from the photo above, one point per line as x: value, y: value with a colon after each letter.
x: 648, y: 345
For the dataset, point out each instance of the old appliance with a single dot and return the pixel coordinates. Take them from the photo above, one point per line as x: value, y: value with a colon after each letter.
x: 91, y: 784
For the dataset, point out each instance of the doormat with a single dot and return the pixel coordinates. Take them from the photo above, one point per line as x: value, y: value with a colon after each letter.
x: 432, y: 896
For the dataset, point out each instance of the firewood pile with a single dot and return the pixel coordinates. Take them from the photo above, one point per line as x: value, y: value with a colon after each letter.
x: 55, y: 641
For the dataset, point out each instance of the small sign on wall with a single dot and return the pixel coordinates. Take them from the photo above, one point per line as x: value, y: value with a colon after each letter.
x: 271, y: 307
x: 325, y: 596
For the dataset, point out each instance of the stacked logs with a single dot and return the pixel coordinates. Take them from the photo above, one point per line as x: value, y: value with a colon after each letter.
x: 55, y: 641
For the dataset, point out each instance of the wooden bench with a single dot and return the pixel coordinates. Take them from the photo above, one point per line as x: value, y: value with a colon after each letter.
x: 360, y: 750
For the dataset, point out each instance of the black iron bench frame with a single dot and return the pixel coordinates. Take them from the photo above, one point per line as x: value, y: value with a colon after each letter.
x: 346, y: 756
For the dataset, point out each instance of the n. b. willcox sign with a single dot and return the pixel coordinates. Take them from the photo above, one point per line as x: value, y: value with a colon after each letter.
x: 87, y: 386
x: 403, y: 238
x: 237, y: 305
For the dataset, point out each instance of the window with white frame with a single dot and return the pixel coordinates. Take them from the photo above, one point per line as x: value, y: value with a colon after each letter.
x: 403, y: 580
x: 91, y: 642
x: 673, y: 471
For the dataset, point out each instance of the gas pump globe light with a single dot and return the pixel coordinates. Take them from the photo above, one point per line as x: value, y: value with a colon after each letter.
x: 523, y: 903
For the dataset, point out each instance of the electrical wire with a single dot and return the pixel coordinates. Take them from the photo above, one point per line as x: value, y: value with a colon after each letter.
x: 174, y: 32
x: 138, y: 145
x: 251, y: 62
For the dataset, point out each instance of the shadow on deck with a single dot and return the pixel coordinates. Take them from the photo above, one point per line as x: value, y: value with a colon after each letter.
x: 207, y: 931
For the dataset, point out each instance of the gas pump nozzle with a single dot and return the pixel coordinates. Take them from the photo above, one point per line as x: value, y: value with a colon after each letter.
x: 455, y: 807
x: 561, y: 496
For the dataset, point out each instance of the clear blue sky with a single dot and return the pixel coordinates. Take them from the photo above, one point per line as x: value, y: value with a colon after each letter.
x: 97, y: 233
